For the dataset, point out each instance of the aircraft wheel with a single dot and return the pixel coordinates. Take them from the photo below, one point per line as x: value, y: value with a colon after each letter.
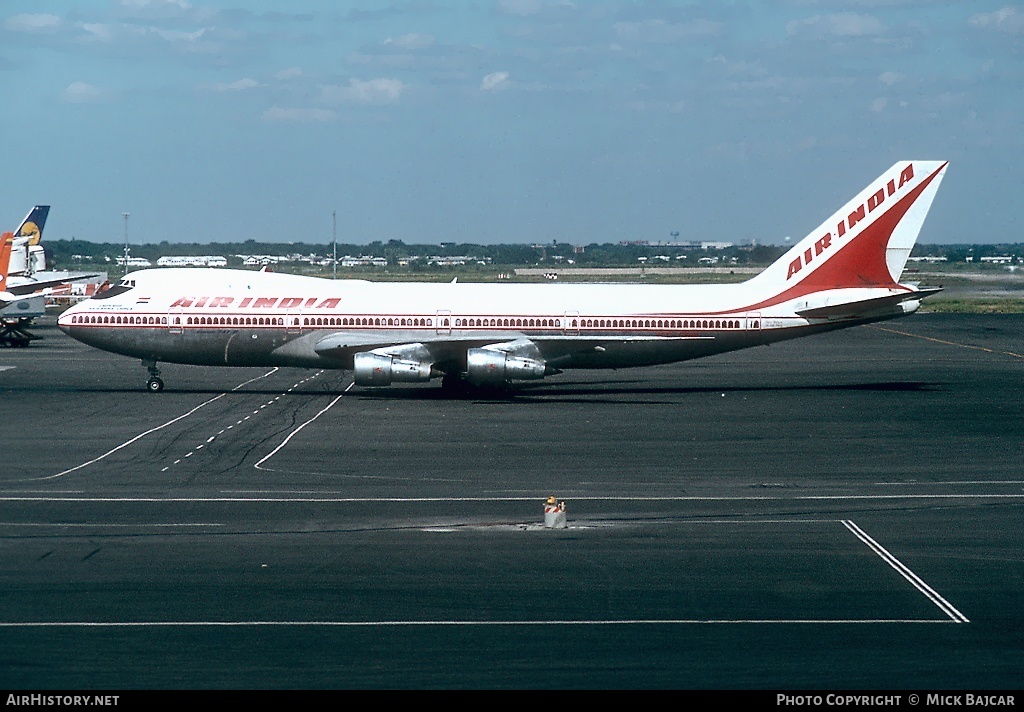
x: 154, y: 385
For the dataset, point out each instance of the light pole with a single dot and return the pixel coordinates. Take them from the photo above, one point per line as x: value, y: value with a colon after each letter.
x: 125, y: 216
x: 334, y: 233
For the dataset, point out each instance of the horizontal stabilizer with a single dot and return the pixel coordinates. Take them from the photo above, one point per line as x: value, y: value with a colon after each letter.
x: 863, y: 307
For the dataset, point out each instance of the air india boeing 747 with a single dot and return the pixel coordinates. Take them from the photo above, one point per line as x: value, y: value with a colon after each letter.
x: 844, y: 273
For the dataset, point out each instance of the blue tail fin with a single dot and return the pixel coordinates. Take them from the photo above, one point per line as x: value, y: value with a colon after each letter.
x: 32, y: 226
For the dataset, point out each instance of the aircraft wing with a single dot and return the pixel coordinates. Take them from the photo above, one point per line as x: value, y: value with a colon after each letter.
x: 864, y: 307
x: 446, y: 352
x: 31, y: 288
x: 7, y: 298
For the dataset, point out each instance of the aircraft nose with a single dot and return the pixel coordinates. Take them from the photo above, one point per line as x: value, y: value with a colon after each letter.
x: 64, y: 320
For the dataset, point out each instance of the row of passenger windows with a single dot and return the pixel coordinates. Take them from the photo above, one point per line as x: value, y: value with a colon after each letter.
x: 660, y: 323
x: 367, y: 321
x: 98, y: 319
x: 377, y: 321
x: 535, y: 323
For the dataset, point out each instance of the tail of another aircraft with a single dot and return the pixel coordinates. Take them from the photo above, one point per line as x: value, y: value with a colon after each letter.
x: 6, y: 245
x: 866, y: 243
x: 32, y: 226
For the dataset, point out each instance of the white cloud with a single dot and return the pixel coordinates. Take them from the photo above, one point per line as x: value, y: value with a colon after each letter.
x: 32, y: 23
x: 494, y: 81
x: 374, y: 91
x: 1007, y: 19
x: 659, y: 31
x: 282, y: 114
x: 890, y: 78
x: 413, y: 40
x: 177, y: 35
x: 521, y: 7
x: 844, y: 24
x: 82, y: 93
x: 672, y: 107
x: 155, y: 3
x: 290, y: 73
x: 240, y: 85
x: 877, y: 105
x: 98, y: 31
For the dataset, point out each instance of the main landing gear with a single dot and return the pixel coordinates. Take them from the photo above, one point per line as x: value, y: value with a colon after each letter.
x: 154, y: 384
x: 14, y: 334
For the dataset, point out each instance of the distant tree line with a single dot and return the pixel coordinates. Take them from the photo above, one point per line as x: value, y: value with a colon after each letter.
x: 68, y: 254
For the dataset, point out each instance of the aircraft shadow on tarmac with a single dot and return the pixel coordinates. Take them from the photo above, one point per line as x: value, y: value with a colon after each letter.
x: 563, y: 391
x: 598, y: 391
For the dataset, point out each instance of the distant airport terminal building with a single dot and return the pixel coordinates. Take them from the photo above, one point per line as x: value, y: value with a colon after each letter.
x: 193, y: 261
x: 134, y: 262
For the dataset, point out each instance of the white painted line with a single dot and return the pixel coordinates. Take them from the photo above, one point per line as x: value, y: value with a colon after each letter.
x: 950, y: 482
x: 453, y: 623
x: 153, y: 430
x: 326, y: 498
x: 7, y: 368
x: 105, y: 524
x: 295, y: 432
x: 944, y: 605
x: 129, y: 442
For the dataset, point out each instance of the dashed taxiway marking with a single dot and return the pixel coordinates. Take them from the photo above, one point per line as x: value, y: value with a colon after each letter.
x: 296, y: 431
x: 272, y: 401
x: 157, y: 428
x: 949, y: 343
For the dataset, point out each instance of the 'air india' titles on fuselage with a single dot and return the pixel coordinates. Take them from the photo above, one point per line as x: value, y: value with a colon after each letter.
x: 257, y: 302
x: 873, y: 203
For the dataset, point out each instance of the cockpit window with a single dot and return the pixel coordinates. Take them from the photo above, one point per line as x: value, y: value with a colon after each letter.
x: 120, y: 288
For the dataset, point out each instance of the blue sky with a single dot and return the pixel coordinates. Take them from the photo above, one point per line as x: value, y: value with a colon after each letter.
x: 505, y: 120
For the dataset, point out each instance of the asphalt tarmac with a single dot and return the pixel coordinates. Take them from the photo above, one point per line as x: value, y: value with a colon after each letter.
x: 837, y: 512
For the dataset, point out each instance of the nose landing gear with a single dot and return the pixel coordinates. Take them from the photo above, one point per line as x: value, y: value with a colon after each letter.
x: 154, y: 384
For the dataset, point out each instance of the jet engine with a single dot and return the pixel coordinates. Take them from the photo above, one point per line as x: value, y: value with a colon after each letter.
x: 375, y: 369
x: 490, y: 367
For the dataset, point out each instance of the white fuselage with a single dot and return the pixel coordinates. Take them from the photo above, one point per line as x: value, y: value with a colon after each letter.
x: 231, y: 317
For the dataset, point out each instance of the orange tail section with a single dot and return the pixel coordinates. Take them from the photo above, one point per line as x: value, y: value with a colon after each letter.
x: 6, y: 245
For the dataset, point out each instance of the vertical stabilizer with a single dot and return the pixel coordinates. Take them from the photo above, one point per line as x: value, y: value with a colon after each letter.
x: 33, y: 224
x: 865, y: 243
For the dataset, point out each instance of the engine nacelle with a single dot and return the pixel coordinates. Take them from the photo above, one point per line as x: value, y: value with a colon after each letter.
x: 489, y: 367
x: 382, y: 370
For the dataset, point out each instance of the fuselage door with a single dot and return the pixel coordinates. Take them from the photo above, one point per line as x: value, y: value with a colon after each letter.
x: 174, y: 320
x: 293, y: 321
x: 572, y: 323
x: 753, y: 321
x: 444, y: 322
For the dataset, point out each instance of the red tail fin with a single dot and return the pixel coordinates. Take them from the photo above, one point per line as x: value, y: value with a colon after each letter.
x: 866, y: 243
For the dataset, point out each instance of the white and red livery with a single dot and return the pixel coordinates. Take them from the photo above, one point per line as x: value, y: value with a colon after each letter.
x: 845, y: 272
